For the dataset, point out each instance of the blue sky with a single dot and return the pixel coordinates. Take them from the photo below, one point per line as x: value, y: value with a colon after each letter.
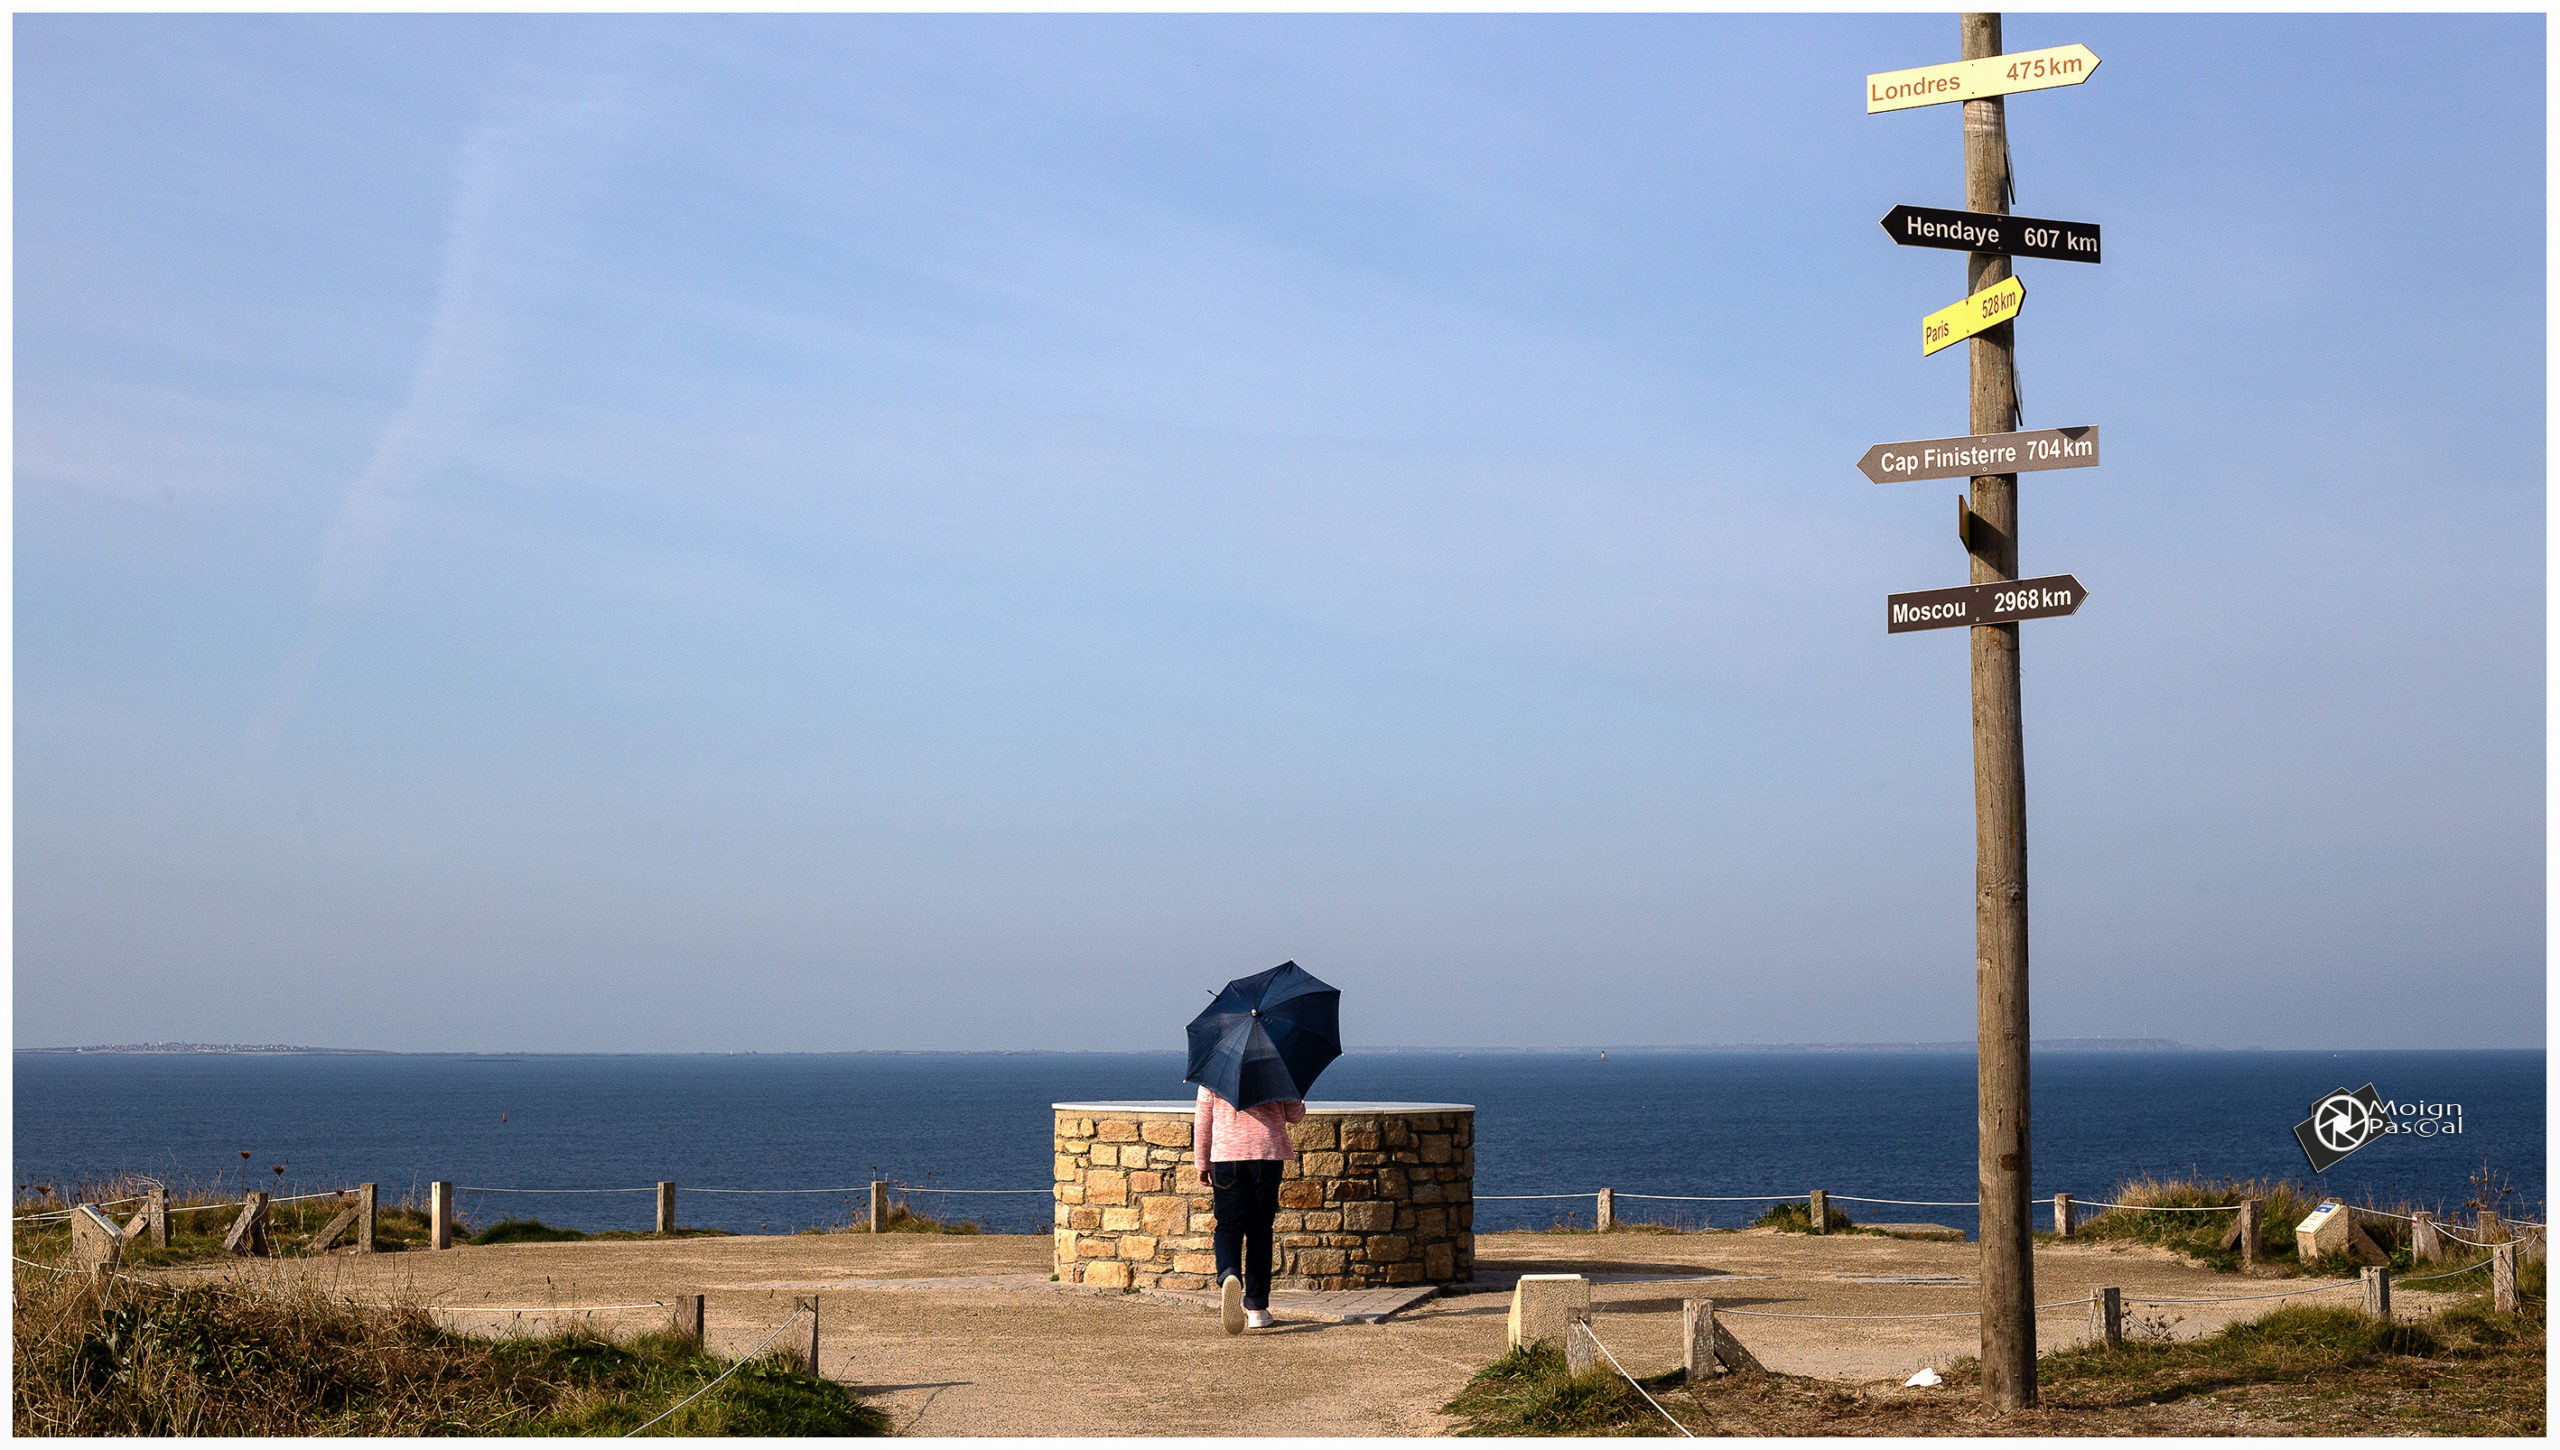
x: 855, y: 532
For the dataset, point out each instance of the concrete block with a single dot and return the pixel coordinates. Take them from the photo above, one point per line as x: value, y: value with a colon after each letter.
x: 97, y: 1245
x: 2324, y: 1232
x: 1542, y: 1304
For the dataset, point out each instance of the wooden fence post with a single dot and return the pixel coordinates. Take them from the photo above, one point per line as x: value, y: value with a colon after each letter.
x: 350, y: 1208
x: 249, y: 1231
x: 879, y: 1206
x: 1707, y: 1346
x: 804, y: 1338
x: 666, y: 1207
x: 2424, y: 1246
x: 1581, y: 1351
x: 2065, y: 1217
x: 2502, y: 1278
x: 688, y: 1320
x: 2493, y: 1229
x: 1820, y: 1210
x: 2377, y: 1291
x: 439, y: 1215
x: 2106, y: 1317
x: 1605, y: 1217
x: 2244, y: 1233
x: 152, y: 1218
x: 368, y: 1205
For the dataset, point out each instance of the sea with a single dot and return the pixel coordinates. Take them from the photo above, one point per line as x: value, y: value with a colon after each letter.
x: 792, y: 1141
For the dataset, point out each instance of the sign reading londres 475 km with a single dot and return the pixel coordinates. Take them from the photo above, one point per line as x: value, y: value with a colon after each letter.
x: 2003, y: 602
x: 1982, y: 454
x: 1972, y: 80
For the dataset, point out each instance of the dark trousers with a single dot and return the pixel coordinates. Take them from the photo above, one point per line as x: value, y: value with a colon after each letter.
x: 1244, y: 1196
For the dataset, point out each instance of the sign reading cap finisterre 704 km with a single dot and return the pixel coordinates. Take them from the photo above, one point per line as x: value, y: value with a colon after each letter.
x: 1973, y: 80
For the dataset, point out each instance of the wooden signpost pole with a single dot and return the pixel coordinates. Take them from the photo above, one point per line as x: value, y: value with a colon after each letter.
x: 2000, y: 805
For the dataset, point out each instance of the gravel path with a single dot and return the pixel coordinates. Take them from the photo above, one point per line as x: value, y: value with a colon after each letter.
x: 966, y: 1335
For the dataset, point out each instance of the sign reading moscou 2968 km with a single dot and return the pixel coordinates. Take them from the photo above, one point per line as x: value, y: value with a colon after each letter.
x: 1983, y: 231
x: 1980, y: 312
x: 1983, y: 453
x: 2003, y: 601
x: 1973, y: 80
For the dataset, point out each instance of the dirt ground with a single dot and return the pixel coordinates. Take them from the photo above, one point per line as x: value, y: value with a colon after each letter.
x: 966, y: 1335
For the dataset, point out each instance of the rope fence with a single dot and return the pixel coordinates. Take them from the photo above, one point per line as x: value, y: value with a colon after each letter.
x: 2252, y: 1298
x: 1684, y: 1197
x: 2080, y: 1303
x: 886, y: 1202
x: 732, y: 1369
x: 477, y: 1188
x: 1600, y: 1345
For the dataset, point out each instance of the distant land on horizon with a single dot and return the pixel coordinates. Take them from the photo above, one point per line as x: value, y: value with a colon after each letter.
x: 278, y: 1049
x: 2042, y: 1044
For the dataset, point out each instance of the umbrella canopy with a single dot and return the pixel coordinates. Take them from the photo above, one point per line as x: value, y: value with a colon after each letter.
x: 1266, y: 1037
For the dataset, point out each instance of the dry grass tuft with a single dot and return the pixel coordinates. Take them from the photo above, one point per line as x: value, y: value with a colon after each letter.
x: 141, y: 1358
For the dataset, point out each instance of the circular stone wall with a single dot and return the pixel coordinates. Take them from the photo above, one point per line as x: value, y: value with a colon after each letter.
x: 1380, y: 1193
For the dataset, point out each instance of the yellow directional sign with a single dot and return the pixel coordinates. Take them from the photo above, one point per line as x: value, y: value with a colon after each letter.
x: 1983, y: 310
x: 1971, y: 80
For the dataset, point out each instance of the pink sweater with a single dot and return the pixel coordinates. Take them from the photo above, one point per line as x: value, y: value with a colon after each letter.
x: 1220, y: 1134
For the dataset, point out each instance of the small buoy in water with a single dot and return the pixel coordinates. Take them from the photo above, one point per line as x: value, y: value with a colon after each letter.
x: 1604, y: 1057
x: 502, y: 1117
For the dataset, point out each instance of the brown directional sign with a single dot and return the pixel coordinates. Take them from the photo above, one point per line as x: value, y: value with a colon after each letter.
x: 2004, y: 602
x: 1983, y: 453
x: 1982, y: 231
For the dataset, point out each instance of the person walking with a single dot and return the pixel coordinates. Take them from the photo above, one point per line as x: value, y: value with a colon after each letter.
x: 1238, y: 1153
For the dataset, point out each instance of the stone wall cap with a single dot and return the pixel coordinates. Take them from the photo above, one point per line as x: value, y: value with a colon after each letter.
x: 1185, y: 1106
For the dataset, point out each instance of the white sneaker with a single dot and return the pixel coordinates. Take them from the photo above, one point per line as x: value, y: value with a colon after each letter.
x: 1231, y: 1304
x: 1257, y: 1319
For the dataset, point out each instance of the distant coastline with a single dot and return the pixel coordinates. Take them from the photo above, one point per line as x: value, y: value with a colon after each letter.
x: 227, y: 1049
x: 279, y: 1049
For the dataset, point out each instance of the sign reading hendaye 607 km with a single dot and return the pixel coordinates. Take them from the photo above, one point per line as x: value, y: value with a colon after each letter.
x: 1980, y: 312
x: 1983, y: 453
x: 2004, y: 602
x: 1971, y: 80
x: 1982, y: 231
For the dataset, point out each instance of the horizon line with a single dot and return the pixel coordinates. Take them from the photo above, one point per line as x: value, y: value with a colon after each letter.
x: 1949, y: 1046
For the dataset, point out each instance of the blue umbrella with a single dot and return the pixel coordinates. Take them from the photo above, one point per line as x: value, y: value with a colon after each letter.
x: 1266, y: 1037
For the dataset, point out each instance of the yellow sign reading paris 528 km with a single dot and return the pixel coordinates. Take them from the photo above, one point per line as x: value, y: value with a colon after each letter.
x: 1980, y: 312
x: 1971, y: 80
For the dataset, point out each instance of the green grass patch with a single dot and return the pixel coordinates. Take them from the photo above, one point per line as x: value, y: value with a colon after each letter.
x: 526, y: 1231
x: 904, y: 1220
x: 1797, y: 1218
x: 2299, y: 1370
x: 1529, y: 1392
x: 149, y: 1359
x: 2281, y: 1205
x: 2467, y: 1371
